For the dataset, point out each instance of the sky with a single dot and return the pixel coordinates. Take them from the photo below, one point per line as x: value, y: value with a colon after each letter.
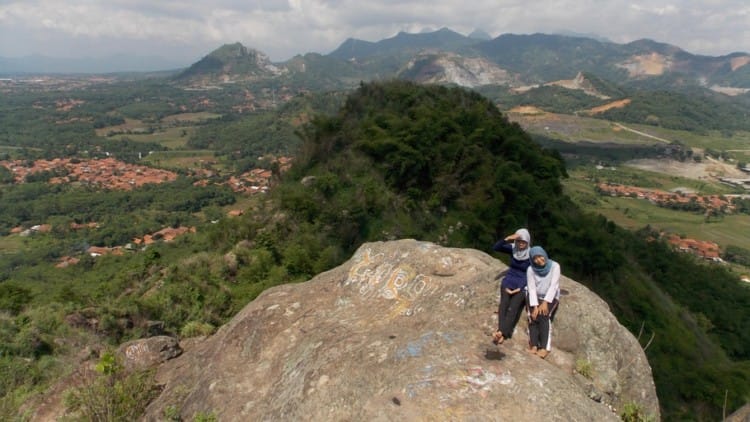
x: 187, y: 30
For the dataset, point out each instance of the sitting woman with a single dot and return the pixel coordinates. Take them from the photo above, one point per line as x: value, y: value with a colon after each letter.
x: 543, y: 279
x: 513, y: 286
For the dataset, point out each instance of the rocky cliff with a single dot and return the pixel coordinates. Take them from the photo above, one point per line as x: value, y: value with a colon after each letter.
x: 401, y: 331
x: 450, y: 68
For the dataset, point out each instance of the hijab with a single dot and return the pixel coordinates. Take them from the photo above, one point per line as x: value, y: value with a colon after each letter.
x: 543, y: 270
x: 518, y: 253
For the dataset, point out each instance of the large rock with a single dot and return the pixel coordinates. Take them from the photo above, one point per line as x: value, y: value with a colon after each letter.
x: 401, y: 332
x: 149, y: 352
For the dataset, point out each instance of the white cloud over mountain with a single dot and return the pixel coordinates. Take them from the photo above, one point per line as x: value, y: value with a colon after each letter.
x: 189, y: 29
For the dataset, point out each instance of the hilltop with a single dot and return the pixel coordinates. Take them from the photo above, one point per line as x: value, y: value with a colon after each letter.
x: 398, y: 331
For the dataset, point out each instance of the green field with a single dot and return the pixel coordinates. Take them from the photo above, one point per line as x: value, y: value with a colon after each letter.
x: 181, y: 159
x: 14, y: 152
x: 625, y: 175
x: 633, y: 213
x: 191, y: 117
x: 568, y: 128
x: 574, y: 129
x: 171, y: 132
x: 172, y: 138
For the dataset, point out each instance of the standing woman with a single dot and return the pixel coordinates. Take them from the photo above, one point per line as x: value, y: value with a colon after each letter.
x: 512, y: 295
x: 543, y: 278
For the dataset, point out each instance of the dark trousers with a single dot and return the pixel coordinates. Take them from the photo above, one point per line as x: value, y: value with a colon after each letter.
x: 540, y: 329
x: 509, y: 311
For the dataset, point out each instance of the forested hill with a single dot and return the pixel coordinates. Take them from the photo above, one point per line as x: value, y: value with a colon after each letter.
x: 415, y: 161
x: 439, y: 164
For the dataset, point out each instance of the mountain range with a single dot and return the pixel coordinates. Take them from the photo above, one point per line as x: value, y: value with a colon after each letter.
x: 513, y: 62
x: 445, y: 56
x: 643, y: 82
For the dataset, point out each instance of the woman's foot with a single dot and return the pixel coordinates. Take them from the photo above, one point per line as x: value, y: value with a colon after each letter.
x: 542, y: 353
x: 498, y: 338
x: 532, y: 350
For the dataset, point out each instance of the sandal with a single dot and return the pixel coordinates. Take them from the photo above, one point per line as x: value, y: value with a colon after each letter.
x: 497, y: 337
x: 543, y: 353
x: 533, y: 350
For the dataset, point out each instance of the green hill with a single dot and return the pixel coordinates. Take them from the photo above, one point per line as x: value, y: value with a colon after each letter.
x: 401, y: 160
x: 401, y: 44
x: 439, y: 164
x: 233, y: 59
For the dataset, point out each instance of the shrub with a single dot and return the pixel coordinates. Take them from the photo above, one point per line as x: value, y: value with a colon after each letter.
x: 584, y: 368
x: 110, y: 393
x: 13, y: 298
x: 632, y: 412
x: 196, y: 329
x: 205, y: 417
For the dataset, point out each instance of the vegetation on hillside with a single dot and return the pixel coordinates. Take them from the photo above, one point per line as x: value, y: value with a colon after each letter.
x: 396, y: 160
x: 241, y: 139
x: 443, y: 165
x: 699, y: 111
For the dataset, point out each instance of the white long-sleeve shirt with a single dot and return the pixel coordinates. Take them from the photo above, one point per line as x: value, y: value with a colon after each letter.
x: 545, y: 287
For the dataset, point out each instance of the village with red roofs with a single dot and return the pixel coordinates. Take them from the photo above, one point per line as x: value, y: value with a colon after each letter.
x: 721, y: 203
x: 112, y: 174
x: 705, y: 203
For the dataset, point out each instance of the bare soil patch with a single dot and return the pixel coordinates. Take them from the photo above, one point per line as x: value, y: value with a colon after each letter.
x: 609, y: 106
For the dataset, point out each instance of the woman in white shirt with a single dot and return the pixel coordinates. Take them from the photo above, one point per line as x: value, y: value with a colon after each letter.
x: 543, y: 281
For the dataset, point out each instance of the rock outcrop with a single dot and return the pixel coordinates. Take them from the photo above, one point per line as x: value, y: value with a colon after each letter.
x: 450, y: 68
x: 148, y: 353
x: 402, y: 332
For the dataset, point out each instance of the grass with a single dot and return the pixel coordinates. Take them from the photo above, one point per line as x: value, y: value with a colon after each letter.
x: 568, y: 128
x: 584, y: 368
x: 14, y: 152
x: 647, y: 179
x: 181, y: 159
x: 173, y: 133
x: 191, y: 117
x: 11, y: 244
x: 172, y: 138
x: 574, y: 129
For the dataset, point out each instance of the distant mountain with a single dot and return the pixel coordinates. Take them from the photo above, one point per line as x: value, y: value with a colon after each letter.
x: 542, y: 58
x: 232, y: 63
x: 582, y: 35
x: 479, y: 34
x: 556, y: 73
x: 402, y: 44
x: 445, y: 56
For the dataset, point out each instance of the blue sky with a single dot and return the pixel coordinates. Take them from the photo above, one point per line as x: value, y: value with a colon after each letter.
x: 186, y: 30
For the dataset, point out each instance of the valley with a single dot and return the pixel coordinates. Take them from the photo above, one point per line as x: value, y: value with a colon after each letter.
x: 708, y: 176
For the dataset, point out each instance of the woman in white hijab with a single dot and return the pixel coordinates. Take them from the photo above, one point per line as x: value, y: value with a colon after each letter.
x: 544, y: 295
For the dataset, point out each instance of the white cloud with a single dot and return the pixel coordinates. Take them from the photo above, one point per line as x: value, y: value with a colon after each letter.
x: 191, y: 29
